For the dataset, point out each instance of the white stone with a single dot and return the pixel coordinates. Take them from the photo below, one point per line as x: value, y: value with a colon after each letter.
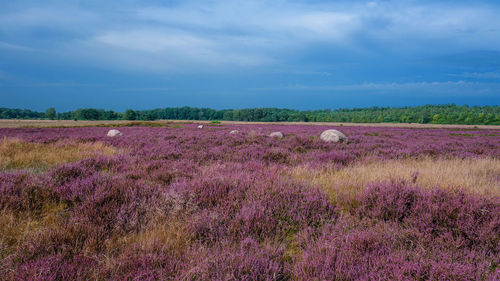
x: 278, y: 135
x: 114, y: 133
x: 200, y: 127
x: 333, y: 136
x: 234, y: 132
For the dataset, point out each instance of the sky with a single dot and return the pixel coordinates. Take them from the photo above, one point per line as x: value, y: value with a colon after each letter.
x: 297, y: 54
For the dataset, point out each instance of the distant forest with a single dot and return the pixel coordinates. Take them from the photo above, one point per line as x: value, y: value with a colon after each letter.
x: 433, y: 114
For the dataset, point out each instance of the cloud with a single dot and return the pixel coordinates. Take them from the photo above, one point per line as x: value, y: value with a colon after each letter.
x: 479, y: 75
x: 143, y: 89
x: 5, y: 45
x: 264, y: 23
x: 48, y: 25
x: 153, y: 41
x: 65, y: 84
x: 166, y: 50
x: 408, y: 86
x: 330, y: 25
x: 443, y: 88
x: 199, y: 35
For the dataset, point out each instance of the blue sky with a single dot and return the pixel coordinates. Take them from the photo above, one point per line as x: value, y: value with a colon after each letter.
x: 236, y: 54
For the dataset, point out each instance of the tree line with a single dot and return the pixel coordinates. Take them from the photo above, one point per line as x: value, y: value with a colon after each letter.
x: 432, y: 114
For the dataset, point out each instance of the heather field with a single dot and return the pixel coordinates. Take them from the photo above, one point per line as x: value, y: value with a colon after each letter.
x: 174, y: 202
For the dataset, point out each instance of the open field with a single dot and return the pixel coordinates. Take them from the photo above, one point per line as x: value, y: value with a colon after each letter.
x: 19, y: 123
x: 173, y: 202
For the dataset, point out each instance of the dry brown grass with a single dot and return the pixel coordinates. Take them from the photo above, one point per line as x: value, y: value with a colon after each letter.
x: 16, y: 228
x: 17, y: 154
x: 19, y: 123
x: 11, y: 230
x: 166, y: 234
x: 481, y: 176
x: 170, y: 234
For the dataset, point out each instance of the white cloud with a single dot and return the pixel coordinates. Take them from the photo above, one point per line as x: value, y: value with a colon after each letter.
x: 15, y: 47
x: 328, y: 25
x: 406, y: 86
x: 194, y: 35
x: 143, y: 89
x: 479, y: 75
x: 64, y: 84
x: 441, y: 87
x: 153, y: 41
x: 172, y: 50
x: 59, y: 17
x: 242, y: 34
x: 269, y: 21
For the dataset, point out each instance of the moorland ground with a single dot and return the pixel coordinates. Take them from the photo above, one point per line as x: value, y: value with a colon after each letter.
x: 26, y: 123
x: 170, y: 201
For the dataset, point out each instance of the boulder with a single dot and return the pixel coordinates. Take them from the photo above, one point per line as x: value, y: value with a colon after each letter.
x: 114, y: 133
x: 234, y: 132
x: 333, y: 136
x: 200, y: 127
x: 278, y: 135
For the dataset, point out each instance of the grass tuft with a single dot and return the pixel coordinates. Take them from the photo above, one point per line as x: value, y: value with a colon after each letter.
x: 16, y: 154
x: 480, y: 175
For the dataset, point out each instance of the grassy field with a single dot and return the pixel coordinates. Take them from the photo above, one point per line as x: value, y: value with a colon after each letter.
x: 16, y: 154
x: 169, y: 201
x: 19, y: 123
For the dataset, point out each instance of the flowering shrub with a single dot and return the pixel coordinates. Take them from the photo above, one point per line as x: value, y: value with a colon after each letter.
x: 462, y: 220
x: 401, y: 232
x: 248, y: 260
x: 190, y: 204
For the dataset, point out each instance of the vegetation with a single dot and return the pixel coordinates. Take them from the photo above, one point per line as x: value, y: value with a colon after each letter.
x: 427, y: 114
x: 202, y: 204
x: 50, y: 113
x: 17, y: 154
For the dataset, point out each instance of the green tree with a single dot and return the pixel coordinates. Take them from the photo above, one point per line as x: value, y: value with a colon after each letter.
x: 130, y: 114
x: 50, y: 113
x: 435, y: 118
x: 86, y: 114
